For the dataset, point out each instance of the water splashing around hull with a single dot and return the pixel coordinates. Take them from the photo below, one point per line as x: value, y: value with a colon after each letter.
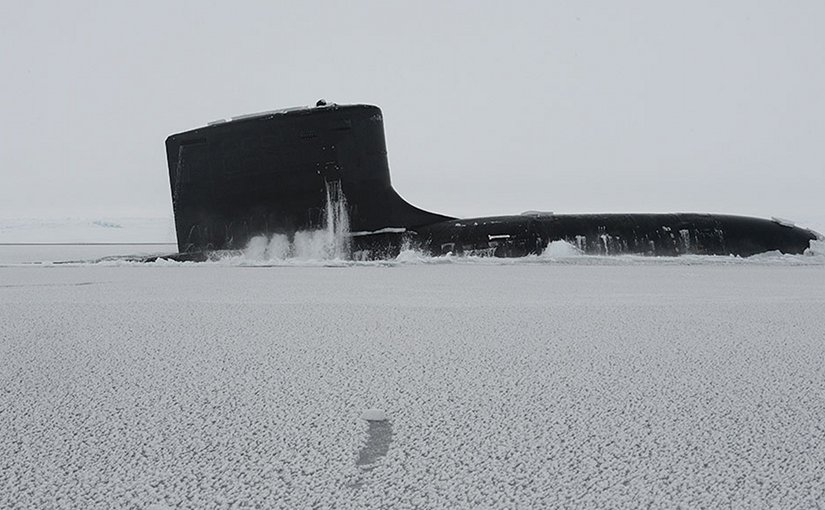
x: 330, y: 242
x: 336, y: 222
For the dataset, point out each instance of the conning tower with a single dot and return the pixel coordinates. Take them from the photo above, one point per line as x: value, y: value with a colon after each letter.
x: 267, y: 173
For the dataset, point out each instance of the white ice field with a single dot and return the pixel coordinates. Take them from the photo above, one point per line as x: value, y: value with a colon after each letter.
x: 559, y: 381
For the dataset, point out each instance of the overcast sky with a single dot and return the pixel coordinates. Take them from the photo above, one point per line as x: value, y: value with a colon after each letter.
x: 489, y: 107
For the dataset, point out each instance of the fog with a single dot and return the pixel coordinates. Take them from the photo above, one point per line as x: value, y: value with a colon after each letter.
x: 489, y: 108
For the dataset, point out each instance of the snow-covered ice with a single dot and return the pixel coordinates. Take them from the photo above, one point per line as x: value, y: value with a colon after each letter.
x: 576, y: 382
x: 87, y: 230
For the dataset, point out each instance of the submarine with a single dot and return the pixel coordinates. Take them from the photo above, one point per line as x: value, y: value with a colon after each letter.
x: 287, y: 171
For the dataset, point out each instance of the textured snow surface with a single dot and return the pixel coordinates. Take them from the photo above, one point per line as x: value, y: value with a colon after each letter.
x: 506, y: 386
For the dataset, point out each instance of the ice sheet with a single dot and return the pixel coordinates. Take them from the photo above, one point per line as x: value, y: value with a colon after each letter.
x: 87, y: 230
x: 506, y: 386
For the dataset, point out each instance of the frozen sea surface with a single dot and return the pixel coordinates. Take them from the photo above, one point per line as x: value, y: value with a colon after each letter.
x: 512, y: 385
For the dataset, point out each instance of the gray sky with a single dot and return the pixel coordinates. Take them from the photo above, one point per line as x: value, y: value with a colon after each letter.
x: 489, y: 107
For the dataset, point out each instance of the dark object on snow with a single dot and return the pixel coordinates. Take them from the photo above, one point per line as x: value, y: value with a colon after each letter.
x: 271, y: 173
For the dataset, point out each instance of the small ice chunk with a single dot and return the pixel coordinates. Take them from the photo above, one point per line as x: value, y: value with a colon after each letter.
x: 561, y: 249
x: 374, y: 415
x: 783, y: 221
x: 816, y: 247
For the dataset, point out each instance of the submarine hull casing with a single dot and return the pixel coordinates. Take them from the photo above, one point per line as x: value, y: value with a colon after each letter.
x: 615, y: 234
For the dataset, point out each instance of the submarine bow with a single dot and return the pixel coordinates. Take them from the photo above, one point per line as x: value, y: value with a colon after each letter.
x: 276, y: 173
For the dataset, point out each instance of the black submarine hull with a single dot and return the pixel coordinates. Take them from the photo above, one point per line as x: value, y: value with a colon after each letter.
x: 272, y: 173
x: 616, y: 234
